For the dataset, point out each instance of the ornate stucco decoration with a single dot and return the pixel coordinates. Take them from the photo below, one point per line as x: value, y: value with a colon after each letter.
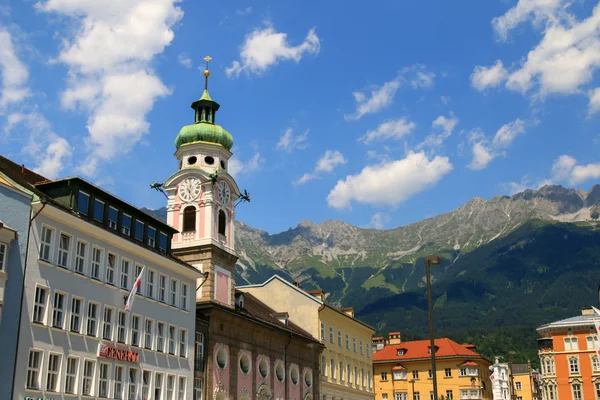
x: 220, y: 393
x: 264, y: 393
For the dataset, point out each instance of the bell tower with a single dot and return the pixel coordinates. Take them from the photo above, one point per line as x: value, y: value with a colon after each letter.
x: 201, y: 198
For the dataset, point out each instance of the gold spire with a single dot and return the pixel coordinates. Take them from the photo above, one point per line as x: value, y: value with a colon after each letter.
x: 206, y: 72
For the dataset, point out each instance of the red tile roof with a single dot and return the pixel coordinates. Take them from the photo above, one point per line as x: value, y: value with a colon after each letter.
x: 398, y: 368
x: 469, y: 364
x: 419, y: 349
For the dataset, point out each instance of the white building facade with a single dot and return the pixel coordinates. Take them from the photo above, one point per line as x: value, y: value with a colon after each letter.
x: 76, y: 340
x: 500, y: 378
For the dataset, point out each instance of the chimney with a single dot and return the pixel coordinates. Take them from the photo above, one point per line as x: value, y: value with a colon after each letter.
x: 470, y: 346
x: 296, y: 283
x: 349, y: 311
x: 394, y: 338
x: 318, y: 293
x: 378, y: 343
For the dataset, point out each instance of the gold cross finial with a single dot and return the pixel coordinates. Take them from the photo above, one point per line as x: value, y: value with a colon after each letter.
x: 206, y: 72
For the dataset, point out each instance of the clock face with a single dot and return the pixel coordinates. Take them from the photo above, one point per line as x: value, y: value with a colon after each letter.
x: 189, y: 189
x: 223, y: 192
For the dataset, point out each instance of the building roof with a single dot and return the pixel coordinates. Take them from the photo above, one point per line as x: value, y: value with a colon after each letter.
x: 419, y: 349
x: 398, y: 368
x: 258, y: 311
x: 469, y: 364
x: 584, y: 320
x: 519, y: 369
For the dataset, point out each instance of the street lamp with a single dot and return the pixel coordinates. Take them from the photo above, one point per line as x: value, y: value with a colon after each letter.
x: 429, y: 261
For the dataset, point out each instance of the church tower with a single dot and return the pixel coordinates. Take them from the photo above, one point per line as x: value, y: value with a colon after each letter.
x: 201, y: 198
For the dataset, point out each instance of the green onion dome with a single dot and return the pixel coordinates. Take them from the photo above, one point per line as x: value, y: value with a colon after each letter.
x: 204, y: 131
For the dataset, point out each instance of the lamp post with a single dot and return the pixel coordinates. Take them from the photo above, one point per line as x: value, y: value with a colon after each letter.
x: 429, y: 261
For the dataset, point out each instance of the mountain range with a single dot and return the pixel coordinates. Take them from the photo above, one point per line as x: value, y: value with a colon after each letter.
x: 508, y: 264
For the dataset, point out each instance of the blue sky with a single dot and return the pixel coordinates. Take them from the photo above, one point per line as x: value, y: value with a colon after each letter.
x: 378, y: 114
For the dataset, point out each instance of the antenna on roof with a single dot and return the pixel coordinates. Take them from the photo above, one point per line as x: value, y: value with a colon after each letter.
x: 158, y: 187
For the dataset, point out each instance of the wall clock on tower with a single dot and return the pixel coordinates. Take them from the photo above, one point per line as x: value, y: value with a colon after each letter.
x: 189, y: 189
x: 223, y: 192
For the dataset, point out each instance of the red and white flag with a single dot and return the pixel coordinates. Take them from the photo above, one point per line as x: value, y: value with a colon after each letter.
x: 134, y: 290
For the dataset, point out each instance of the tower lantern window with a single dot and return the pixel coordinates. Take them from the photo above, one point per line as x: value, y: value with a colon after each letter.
x: 222, y: 222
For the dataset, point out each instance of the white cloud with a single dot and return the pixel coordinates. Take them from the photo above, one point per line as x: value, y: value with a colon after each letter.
x: 185, y: 60
x: 566, y: 57
x: 238, y: 167
x: 594, y: 105
x: 380, y: 98
x: 14, y: 72
x: 540, y: 10
x: 445, y: 99
x: 446, y: 124
x: 394, y: 129
x: 485, y: 77
x: 508, y: 132
x: 290, y: 142
x: 422, y: 80
x: 244, y: 11
x: 264, y: 48
x: 390, y: 183
x: 379, y: 220
x: 565, y: 168
x: 327, y: 163
x: 484, y: 152
x: 49, y: 151
x: 562, y: 167
x: 110, y: 78
x: 518, y: 187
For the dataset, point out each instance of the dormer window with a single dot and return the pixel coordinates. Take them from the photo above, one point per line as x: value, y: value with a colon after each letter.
x: 400, y: 352
x: 239, y: 301
x: 429, y: 349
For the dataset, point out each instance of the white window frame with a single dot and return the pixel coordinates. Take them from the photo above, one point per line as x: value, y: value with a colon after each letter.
x: 3, y: 256
x: 322, y: 331
x: 183, y: 342
x: 148, y: 334
x: 64, y: 254
x: 198, y: 386
x: 111, y: 269
x: 171, y: 339
x: 595, y: 361
x: 146, y: 383
x: 121, y: 326
x: 150, y: 277
x: 132, y: 382
x: 103, y: 380
x: 45, y: 246
x: 71, y: 376
x: 158, y: 383
x: 124, y: 229
x: 33, y: 371
x: 170, y: 386
x: 162, y: 288
x: 108, y: 324
x: 125, y: 273
x: 87, y: 377
x: 118, y: 382
x: 173, y: 290
x: 518, y: 385
x: 574, y: 366
x: 80, y: 260
x: 53, y: 372
x: 138, y: 271
x: 448, y: 372
x: 200, y: 348
x: 59, y: 310
x: 181, y: 388
x: 185, y: 290
x: 580, y: 390
x: 160, y: 337
x: 90, y: 319
x: 135, y: 329
x: 151, y: 241
x: 96, y: 262
x: 110, y: 221
x: 384, y: 376
x: 40, y: 308
x: 75, y: 316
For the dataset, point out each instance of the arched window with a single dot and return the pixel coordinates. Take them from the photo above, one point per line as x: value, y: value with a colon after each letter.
x: 222, y: 222
x: 189, y: 219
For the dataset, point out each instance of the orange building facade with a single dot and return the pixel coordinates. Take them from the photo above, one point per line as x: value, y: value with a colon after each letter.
x: 569, y: 360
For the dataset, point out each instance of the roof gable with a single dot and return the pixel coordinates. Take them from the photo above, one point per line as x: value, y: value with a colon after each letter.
x: 419, y: 349
x: 286, y: 283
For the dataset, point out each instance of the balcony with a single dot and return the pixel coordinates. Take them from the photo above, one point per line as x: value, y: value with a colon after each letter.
x: 188, y: 236
x: 545, y: 344
x: 470, y: 394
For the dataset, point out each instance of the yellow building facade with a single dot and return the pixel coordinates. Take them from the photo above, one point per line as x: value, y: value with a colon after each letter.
x: 402, y: 371
x: 346, y: 363
x: 524, y: 382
